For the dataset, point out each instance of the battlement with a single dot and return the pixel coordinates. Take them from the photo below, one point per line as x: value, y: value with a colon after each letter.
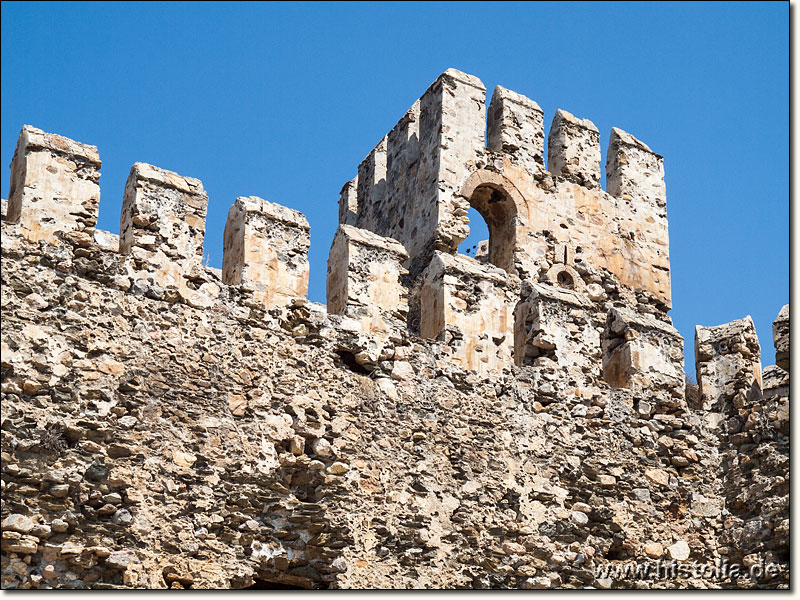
x: 418, y: 183
x: 525, y: 413
x: 265, y: 246
x: 163, y: 223
x: 55, y: 179
x: 392, y: 268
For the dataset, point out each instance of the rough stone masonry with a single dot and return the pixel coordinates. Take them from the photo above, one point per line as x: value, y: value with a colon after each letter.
x: 516, y: 421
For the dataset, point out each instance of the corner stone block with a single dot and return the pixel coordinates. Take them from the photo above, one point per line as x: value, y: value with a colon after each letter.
x: 634, y: 172
x: 574, y: 150
x: 266, y: 245
x: 642, y: 353
x: 365, y: 274
x: 728, y: 362
x: 780, y: 336
x: 54, y: 187
x: 452, y: 140
x: 515, y: 126
x: 469, y: 306
x: 556, y: 324
x: 162, y: 224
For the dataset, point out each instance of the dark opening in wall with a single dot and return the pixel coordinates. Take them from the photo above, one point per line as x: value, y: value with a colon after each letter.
x: 498, y: 212
x: 348, y: 359
x: 565, y: 280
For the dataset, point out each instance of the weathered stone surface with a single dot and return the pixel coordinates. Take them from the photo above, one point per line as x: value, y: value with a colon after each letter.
x: 18, y: 523
x: 642, y: 353
x: 266, y: 248
x: 561, y: 325
x: 348, y: 202
x: 728, y: 362
x: 54, y: 186
x: 161, y: 437
x: 780, y: 335
x: 469, y: 307
x: 162, y: 226
x: 679, y: 551
x: 365, y: 280
x: 515, y: 126
x: 573, y: 149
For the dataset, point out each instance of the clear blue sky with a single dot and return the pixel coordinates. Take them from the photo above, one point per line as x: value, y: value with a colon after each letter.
x: 283, y: 101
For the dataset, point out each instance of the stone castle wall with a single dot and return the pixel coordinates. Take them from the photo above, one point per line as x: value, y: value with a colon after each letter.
x: 166, y: 424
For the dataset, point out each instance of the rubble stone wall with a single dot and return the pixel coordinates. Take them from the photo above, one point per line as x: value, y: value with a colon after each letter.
x: 205, y: 428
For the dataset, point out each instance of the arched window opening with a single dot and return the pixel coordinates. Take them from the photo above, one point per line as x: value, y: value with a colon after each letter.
x: 499, y: 212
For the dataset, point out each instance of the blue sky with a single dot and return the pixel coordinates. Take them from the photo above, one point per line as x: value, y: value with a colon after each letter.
x: 283, y: 101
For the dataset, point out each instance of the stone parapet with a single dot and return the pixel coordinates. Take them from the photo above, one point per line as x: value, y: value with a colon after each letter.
x: 469, y: 306
x: 728, y: 363
x: 266, y: 247
x: 642, y: 353
x: 54, y: 187
x: 365, y: 281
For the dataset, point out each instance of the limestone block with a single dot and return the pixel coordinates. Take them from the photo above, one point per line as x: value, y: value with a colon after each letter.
x: 348, y: 202
x: 162, y: 224
x: 515, y: 126
x: 780, y: 336
x: 642, y: 353
x: 266, y: 245
x: 728, y: 362
x: 469, y: 306
x: 559, y: 324
x: 633, y: 171
x: 574, y: 149
x: 365, y: 274
x: 54, y: 186
x: 106, y: 240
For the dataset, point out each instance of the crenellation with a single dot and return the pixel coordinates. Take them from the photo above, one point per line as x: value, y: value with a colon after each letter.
x: 365, y: 281
x: 728, y: 363
x: 642, y: 353
x: 402, y: 164
x: 515, y: 127
x: 573, y: 150
x: 524, y: 411
x: 162, y: 225
x: 634, y: 173
x: 371, y: 185
x: 265, y: 246
x: 469, y: 306
x: 452, y: 134
x: 54, y: 186
x: 558, y: 328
